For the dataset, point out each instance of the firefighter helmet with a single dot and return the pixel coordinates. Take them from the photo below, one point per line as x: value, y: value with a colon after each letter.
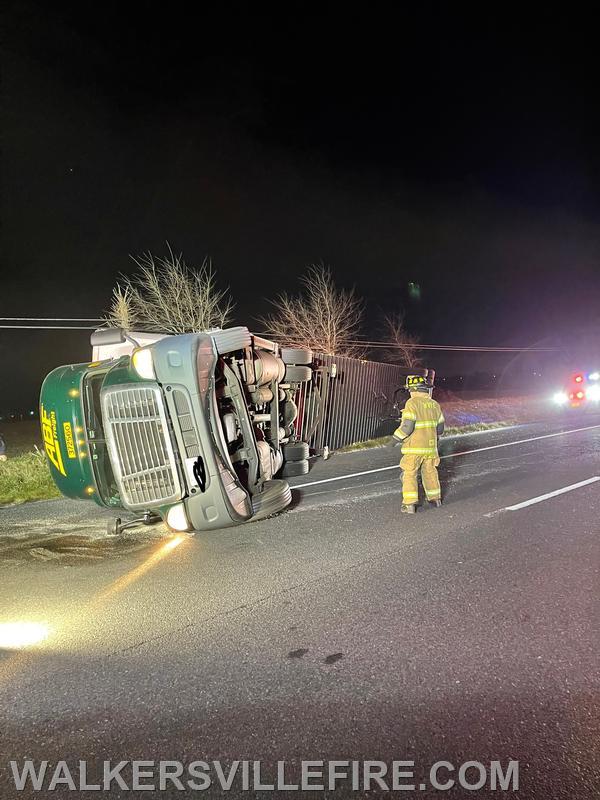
x: 416, y: 383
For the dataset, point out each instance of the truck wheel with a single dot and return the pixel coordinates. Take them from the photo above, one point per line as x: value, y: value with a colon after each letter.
x: 292, y: 469
x: 291, y: 355
x: 295, y: 451
x: 275, y: 496
x: 297, y: 374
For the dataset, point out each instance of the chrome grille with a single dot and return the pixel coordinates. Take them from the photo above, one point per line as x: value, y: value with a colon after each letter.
x: 140, y: 446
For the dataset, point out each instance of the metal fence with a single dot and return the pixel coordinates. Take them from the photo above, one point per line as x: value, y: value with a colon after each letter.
x: 349, y: 400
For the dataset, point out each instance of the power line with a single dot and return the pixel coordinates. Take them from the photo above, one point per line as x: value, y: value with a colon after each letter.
x: 370, y: 344
x: 468, y: 349
x: 51, y: 319
x: 49, y: 327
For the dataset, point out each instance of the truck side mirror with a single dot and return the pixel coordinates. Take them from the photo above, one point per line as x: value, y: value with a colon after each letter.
x: 106, y: 336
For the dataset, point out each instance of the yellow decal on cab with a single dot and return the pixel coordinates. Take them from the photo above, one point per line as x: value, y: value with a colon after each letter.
x: 50, y: 436
x: 69, y: 440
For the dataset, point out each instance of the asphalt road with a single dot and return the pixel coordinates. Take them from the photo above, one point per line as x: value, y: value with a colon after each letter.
x: 338, y: 630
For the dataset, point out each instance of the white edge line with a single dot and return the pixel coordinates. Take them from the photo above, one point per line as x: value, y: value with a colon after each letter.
x: 520, y: 441
x: 449, y: 455
x: 547, y: 496
x: 342, y: 477
x: 542, y: 497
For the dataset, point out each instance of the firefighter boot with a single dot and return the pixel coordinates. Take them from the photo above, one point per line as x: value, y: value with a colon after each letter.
x: 408, y: 508
x: 436, y: 503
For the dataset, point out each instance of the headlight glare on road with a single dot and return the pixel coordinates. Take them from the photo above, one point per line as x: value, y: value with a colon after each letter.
x: 18, y: 635
x: 177, y: 518
x: 560, y: 398
x: 143, y: 363
x: 593, y: 393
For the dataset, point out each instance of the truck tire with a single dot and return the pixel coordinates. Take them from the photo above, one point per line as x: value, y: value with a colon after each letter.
x: 295, y: 451
x: 275, y: 496
x: 292, y: 355
x: 295, y: 374
x: 231, y: 339
x: 291, y: 469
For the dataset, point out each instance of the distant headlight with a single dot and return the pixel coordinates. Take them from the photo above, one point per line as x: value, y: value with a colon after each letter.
x: 593, y: 392
x: 560, y: 398
x: 177, y: 518
x: 143, y: 364
x: 594, y: 376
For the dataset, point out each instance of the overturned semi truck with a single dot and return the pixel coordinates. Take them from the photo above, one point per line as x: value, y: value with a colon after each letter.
x: 197, y: 429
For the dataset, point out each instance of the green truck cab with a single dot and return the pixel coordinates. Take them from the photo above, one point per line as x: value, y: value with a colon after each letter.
x: 196, y: 428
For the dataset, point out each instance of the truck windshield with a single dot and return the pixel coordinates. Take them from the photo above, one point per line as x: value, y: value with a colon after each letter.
x: 105, y: 479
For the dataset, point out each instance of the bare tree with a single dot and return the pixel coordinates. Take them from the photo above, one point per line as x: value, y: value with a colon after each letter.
x: 322, y: 317
x: 167, y: 296
x: 122, y: 312
x: 402, y: 350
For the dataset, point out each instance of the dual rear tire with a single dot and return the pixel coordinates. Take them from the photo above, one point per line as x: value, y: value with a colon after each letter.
x: 297, y: 370
x: 295, y: 456
x: 291, y: 469
x: 292, y: 355
x: 297, y: 364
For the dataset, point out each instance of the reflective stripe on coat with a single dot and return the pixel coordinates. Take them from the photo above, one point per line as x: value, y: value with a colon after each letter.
x: 426, y: 414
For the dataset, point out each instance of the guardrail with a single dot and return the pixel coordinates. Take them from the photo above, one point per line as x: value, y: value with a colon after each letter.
x: 349, y: 400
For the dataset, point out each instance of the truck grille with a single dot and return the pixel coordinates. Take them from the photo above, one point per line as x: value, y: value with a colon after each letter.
x: 140, y: 446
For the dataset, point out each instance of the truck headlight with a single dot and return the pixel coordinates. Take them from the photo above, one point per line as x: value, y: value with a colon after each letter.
x: 143, y: 363
x: 593, y: 393
x: 177, y: 518
x: 560, y: 398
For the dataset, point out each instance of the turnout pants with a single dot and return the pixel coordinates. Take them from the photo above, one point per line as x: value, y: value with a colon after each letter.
x: 410, y: 466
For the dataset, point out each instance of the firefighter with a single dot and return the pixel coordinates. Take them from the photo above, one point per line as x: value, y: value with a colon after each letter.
x: 421, y: 425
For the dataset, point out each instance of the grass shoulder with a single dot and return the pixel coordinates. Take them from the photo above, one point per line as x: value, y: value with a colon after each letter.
x: 455, y: 430
x: 26, y: 477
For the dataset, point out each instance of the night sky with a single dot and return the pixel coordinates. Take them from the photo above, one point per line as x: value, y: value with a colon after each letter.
x: 395, y: 149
